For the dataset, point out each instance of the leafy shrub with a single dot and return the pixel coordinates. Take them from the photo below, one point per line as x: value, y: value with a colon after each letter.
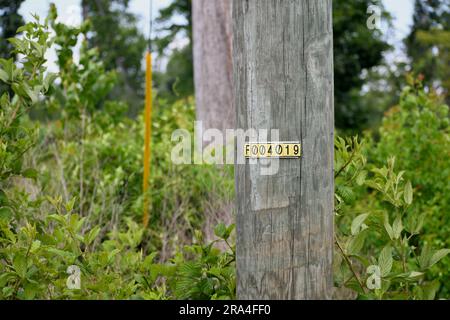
x: 27, y: 83
x: 41, y: 237
x: 378, y: 231
x: 97, y: 153
x: 208, y: 273
x: 37, y: 256
x: 417, y: 131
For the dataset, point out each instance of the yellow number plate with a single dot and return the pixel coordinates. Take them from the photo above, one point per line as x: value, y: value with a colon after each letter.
x: 272, y: 150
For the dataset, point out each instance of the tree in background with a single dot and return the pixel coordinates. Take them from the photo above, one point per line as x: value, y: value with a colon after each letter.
x: 10, y: 21
x: 168, y: 28
x: 121, y: 46
x: 428, y: 43
x: 356, y: 50
x: 177, y: 81
x: 207, y: 27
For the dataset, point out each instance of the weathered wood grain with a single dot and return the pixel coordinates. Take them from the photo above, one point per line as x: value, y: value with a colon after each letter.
x: 212, y: 53
x: 283, y: 79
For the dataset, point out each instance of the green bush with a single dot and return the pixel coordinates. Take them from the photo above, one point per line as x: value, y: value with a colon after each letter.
x: 36, y: 259
x: 417, y: 132
x: 378, y: 230
x: 97, y: 154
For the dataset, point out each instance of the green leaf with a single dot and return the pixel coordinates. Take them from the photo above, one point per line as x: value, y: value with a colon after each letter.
x: 408, y: 276
x: 438, y: 255
x: 354, y: 285
x: 425, y: 257
x: 6, y: 213
x: 33, y: 94
x: 356, y: 243
x: 383, y: 172
x: 91, y: 235
x: 3, y: 197
x: 112, y: 254
x: 20, y: 265
x: 49, y: 79
x: 3, y: 75
x: 58, y: 218
x: 27, y: 28
x: 7, y: 291
x: 5, y: 277
x: 361, y: 178
x: 76, y: 222
x: 35, y: 16
x: 414, y: 222
x: 429, y: 290
x: 148, y: 261
x: 35, y: 246
x: 40, y: 50
x: 18, y: 90
x: 364, y: 261
x: 385, y: 261
x: 230, y: 229
x: 30, y: 291
x: 220, y: 230
x: 357, y: 222
x: 69, y: 205
x: 415, y: 274
x: 397, y: 227
x: 388, y: 227
x: 19, y: 44
x: 30, y: 173
x: 419, y: 223
x: 8, y: 67
x: 399, y: 177
x: 61, y: 253
x: 408, y: 193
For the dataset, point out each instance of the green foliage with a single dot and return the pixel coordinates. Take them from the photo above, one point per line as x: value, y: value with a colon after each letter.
x: 417, y: 131
x: 177, y: 81
x: 9, y: 22
x: 27, y: 84
x: 427, y: 45
x: 36, y: 259
x: 97, y: 152
x: 84, y: 86
x: 357, y: 49
x: 209, y: 273
x: 379, y: 253
x: 120, y: 44
x: 168, y: 28
x: 437, y: 41
x: 98, y: 158
x: 406, y: 210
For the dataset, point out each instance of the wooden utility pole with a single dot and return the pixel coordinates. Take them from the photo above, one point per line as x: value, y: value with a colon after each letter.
x: 283, y: 77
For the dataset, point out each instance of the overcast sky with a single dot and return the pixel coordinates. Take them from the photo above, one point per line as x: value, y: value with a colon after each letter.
x: 70, y: 12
